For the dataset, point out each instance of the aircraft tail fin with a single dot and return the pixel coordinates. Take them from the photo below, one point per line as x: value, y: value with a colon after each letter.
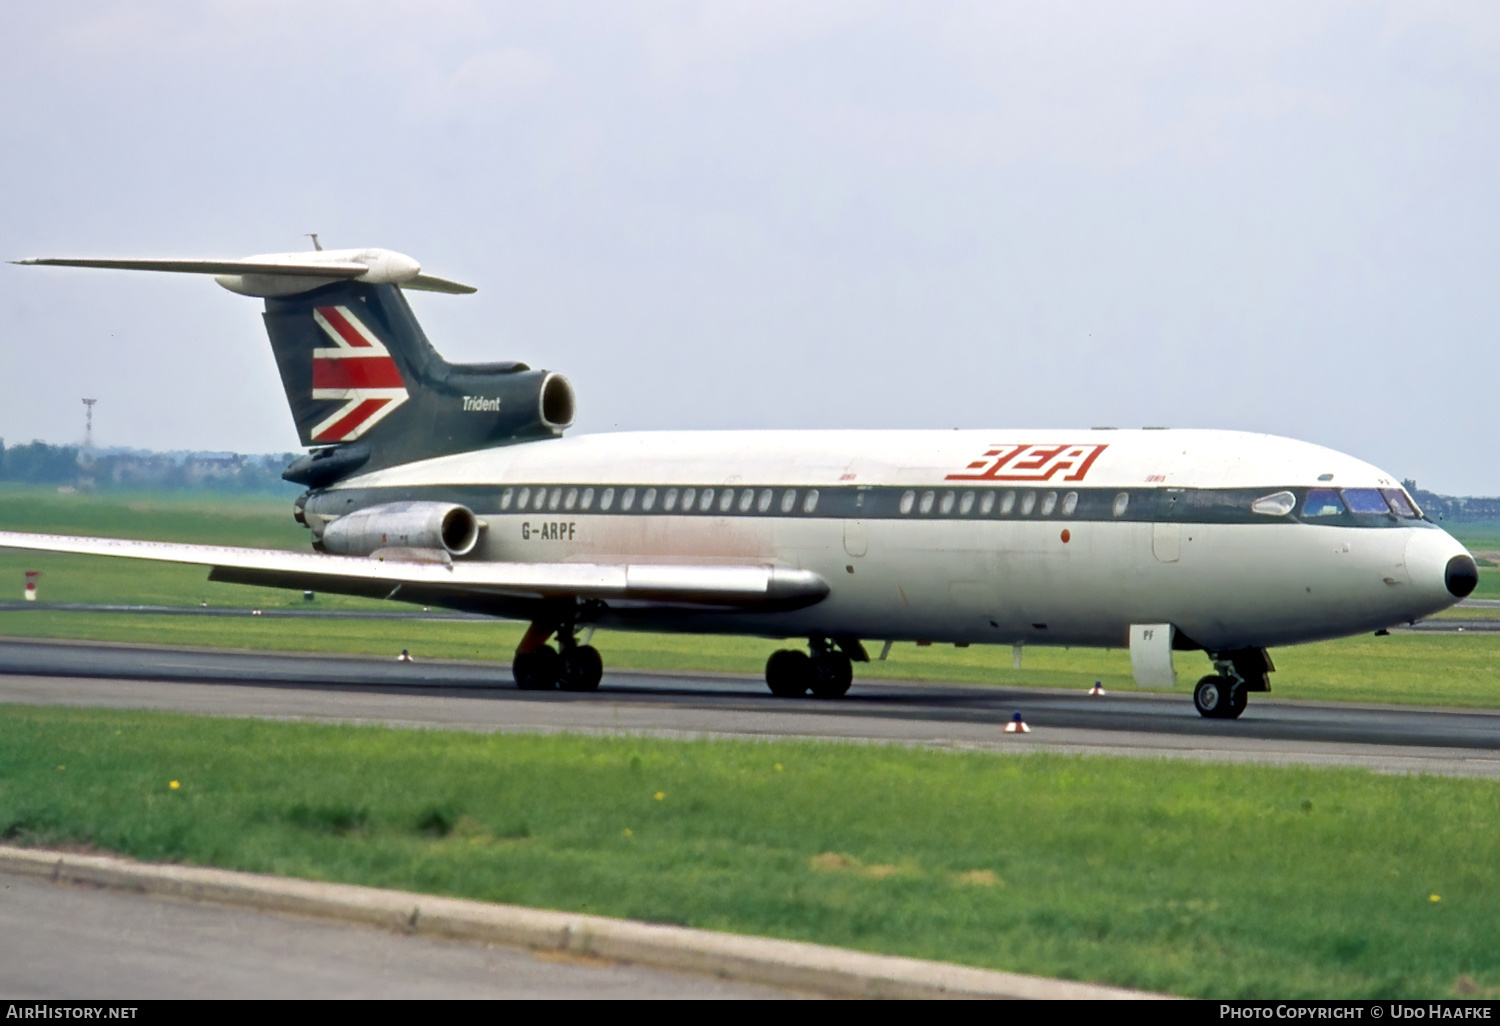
x: 365, y: 386
x: 367, y: 389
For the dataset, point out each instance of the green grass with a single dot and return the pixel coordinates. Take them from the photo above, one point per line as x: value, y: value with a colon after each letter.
x: 1199, y: 879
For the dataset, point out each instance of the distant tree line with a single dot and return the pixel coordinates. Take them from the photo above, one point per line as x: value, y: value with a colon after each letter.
x: 1453, y: 507
x: 72, y: 466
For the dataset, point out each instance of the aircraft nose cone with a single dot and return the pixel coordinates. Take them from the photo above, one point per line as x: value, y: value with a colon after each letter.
x: 1462, y: 576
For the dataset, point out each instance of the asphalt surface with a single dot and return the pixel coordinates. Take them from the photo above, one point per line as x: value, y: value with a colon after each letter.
x: 481, y: 696
x: 60, y: 941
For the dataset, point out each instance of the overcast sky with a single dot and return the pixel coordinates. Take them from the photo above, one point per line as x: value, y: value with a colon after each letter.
x: 1266, y: 216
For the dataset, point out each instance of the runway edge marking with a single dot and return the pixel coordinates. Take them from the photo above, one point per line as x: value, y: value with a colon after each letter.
x: 790, y: 964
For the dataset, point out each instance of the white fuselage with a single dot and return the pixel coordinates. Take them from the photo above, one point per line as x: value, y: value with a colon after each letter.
x: 960, y: 536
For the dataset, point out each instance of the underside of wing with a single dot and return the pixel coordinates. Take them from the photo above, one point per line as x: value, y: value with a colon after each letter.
x: 433, y: 579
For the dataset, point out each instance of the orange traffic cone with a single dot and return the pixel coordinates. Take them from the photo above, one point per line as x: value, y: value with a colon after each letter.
x: 1017, y: 725
x: 1097, y: 689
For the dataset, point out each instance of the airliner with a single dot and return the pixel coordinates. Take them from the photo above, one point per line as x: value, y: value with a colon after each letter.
x: 453, y: 485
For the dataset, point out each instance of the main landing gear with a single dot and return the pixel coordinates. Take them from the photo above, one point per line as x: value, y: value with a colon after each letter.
x: 826, y: 673
x: 540, y: 667
x: 1224, y: 695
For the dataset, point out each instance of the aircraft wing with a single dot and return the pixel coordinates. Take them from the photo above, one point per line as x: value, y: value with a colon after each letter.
x: 408, y: 575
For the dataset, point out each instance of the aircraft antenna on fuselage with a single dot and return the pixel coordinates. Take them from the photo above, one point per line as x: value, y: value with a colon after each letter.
x: 316, y: 244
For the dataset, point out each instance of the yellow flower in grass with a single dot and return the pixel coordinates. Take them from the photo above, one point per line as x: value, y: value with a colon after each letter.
x: 1434, y: 897
x: 174, y: 785
x: 627, y: 832
x: 661, y: 796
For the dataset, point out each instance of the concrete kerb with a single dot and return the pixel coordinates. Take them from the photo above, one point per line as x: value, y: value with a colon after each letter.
x: 792, y: 964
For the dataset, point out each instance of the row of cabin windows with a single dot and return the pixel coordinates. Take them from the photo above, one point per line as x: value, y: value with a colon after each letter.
x: 965, y: 503
x: 688, y: 500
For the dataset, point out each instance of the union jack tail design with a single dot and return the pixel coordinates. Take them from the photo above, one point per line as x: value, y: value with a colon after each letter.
x: 359, y: 370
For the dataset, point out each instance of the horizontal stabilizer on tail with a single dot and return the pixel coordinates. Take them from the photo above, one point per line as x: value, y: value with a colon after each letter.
x: 327, y: 269
x: 282, y: 274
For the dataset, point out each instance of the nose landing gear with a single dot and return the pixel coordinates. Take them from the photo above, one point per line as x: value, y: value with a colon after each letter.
x: 1220, y: 698
x: 1224, y: 695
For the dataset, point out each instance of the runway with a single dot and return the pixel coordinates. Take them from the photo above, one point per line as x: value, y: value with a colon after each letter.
x: 481, y: 696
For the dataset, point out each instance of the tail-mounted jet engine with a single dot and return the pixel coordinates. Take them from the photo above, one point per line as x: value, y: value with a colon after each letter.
x: 432, y: 526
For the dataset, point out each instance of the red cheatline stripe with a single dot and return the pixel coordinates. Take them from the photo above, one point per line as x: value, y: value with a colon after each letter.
x: 357, y: 416
x: 341, y: 324
x: 359, y: 372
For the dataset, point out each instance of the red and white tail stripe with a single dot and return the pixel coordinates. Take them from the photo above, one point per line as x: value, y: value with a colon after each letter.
x: 360, y: 371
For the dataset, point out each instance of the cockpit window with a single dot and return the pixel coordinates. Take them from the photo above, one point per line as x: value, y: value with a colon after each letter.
x: 1401, y: 503
x: 1277, y: 504
x: 1366, y: 500
x: 1322, y: 502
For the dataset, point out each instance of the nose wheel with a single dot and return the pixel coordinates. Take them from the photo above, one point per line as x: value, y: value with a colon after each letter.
x: 1220, y: 698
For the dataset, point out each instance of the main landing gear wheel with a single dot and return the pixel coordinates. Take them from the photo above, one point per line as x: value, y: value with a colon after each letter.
x: 1217, y: 698
x: 537, y: 670
x: 788, y: 673
x: 832, y: 673
x: 581, y: 669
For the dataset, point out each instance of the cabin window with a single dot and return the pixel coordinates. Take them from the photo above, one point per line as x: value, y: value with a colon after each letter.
x: 987, y: 503
x: 606, y: 498
x: 811, y: 502
x: 1122, y: 503
x: 1322, y: 502
x: 688, y: 494
x: 554, y: 498
x: 1366, y: 500
x: 1028, y: 503
x: 1277, y: 504
x: 788, y: 500
x: 1049, y: 503
x: 669, y: 501
x: 926, y: 506
x: 726, y: 500
x: 947, y: 503
x: 966, y: 503
x: 908, y: 500
x: 648, y: 501
x: 747, y: 499
x: 1070, y: 503
x: 572, y: 500
x: 1008, y: 504
x: 521, y: 497
x: 1401, y: 503
x: 626, y: 500
x: 506, y: 497
x: 706, y: 502
x: 587, y: 501
x: 764, y: 503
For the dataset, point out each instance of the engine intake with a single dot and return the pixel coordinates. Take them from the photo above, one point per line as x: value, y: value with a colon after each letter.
x: 444, y: 526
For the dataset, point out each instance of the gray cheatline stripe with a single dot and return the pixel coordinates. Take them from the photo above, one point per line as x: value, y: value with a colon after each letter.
x: 1000, y: 502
